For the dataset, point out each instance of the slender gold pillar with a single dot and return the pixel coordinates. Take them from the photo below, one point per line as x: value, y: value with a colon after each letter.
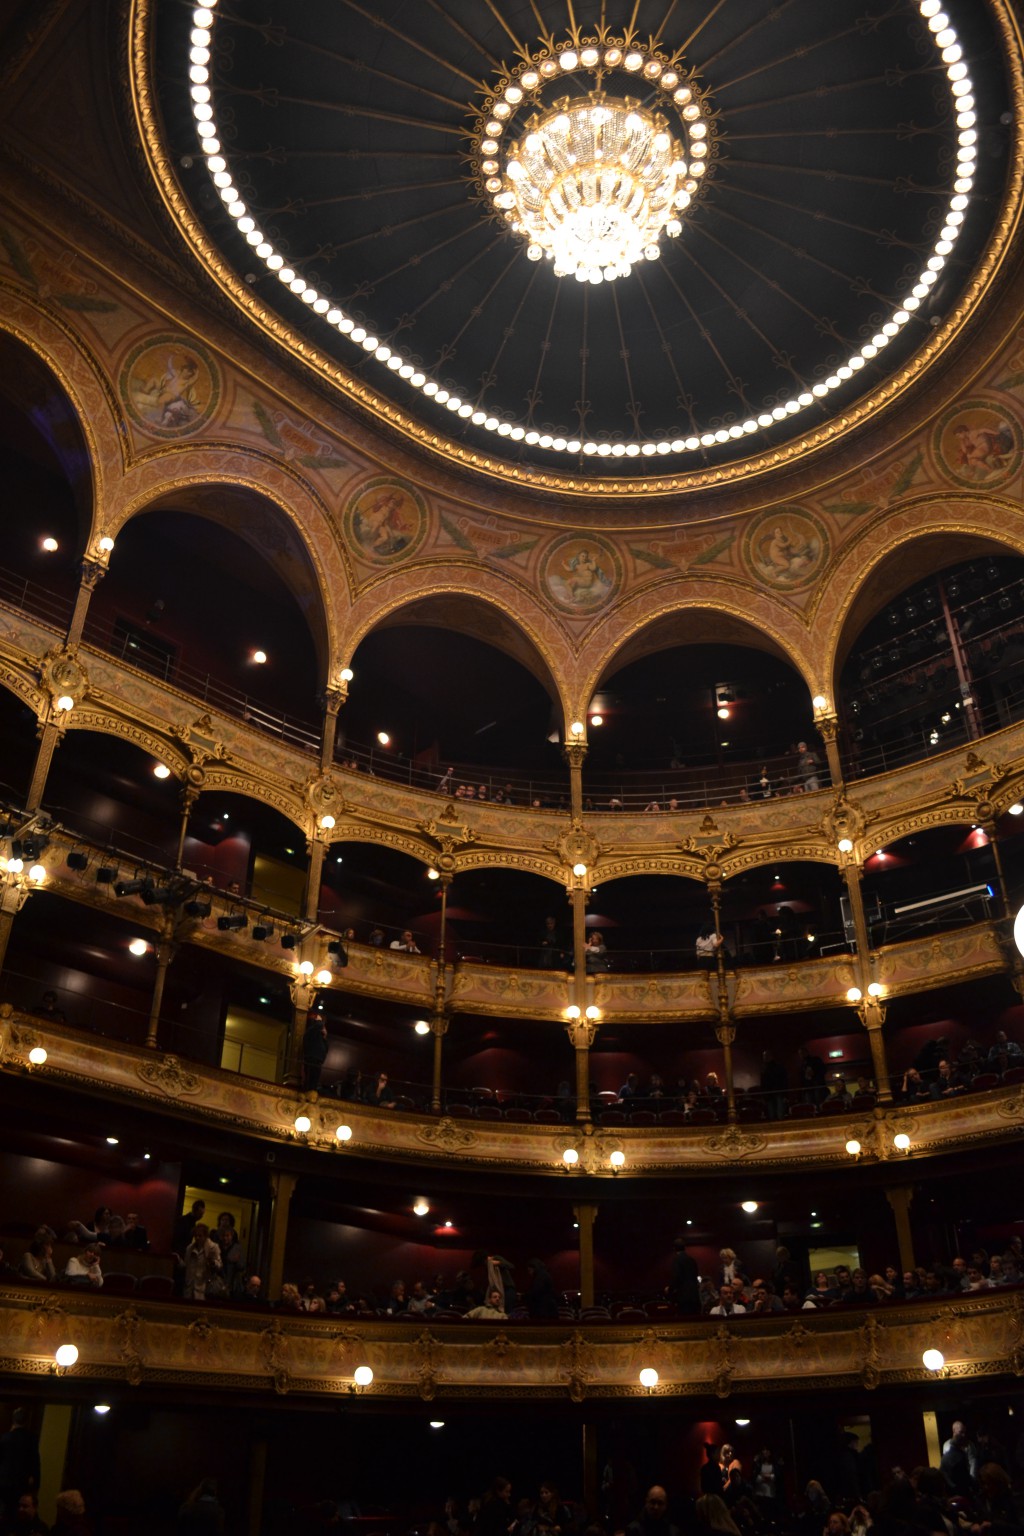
x: 828, y: 730
x: 166, y: 950
x: 189, y: 795
x: 91, y: 573
x: 725, y: 1030
x: 586, y: 1215
x: 900, y: 1198
x: 302, y: 991
x: 870, y: 1010
x: 439, y: 1017
x: 282, y: 1187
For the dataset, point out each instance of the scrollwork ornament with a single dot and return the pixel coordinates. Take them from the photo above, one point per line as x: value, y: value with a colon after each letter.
x: 733, y: 1143
x: 60, y: 673
x: 843, y: 819
x: 446, y: 1135
x: 170, y: 1077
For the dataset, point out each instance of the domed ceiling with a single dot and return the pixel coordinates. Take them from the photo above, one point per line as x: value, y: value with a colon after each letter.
x: 832, y: 177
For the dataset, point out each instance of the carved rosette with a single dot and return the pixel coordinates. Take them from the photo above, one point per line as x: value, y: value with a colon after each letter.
x: 844, y: 819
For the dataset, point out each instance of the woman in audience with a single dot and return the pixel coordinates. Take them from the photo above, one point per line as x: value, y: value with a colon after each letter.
x: 37, y: 1262
x: 713, y: 1515
x: 83, y: 1270
x: 78, y: 1232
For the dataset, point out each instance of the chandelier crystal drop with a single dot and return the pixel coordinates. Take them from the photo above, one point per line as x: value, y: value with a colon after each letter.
x: 593, y: 184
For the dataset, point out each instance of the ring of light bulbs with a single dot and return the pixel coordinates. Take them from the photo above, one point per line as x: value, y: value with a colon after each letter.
x: 961, y: 91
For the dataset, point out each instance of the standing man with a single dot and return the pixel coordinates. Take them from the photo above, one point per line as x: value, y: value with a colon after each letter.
x: 314, y: 1051
x: 684, y: 1279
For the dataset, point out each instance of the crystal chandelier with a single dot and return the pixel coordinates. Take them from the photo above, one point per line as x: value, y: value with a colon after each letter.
x: 593, y: 184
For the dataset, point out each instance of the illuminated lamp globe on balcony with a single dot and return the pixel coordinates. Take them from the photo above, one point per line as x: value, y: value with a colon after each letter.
x: 592, y: 186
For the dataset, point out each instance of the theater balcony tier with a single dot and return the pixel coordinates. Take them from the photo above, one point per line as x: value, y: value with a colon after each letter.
x: 214, y: 751
x: 163, y: 1084
x: 229, y: 1350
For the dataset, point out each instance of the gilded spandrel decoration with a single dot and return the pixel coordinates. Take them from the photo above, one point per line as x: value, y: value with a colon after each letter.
x: 447, y: 1135
x: 733, y: 1143
x: 170, y: 1077
x: 169, y: 386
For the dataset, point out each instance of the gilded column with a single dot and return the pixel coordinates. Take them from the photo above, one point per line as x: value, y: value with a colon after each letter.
x: 900, y: 1199
x: 166, y: 950
x: 303, y: 990
x: 439, y: 1017
x: 725, y: 1030
x: 282, y: 1187
x: 91, y: 573
x: 866, y: 995
x: 586, y: 1215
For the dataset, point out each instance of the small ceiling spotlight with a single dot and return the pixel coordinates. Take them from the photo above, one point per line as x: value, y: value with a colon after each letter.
x: 933, y: 1360
x: 303, y: 1124
x: 113, y: 1141
x: 570, y: 1157
x: 138, y: 948
x: 66, y: 1356
x: 291, y: 940
x: 78, y: 861
x: 384, y: 738
x: 649, y: 1378
x: 37, y: 1056
x: 362, y: 1375
x: 232, y: 921
x: 421, y: 1208
x: 343, y: 1133
x: 263, y: 930
x: 437, y: 1423
x: 161, y: 771
x: 421, y: 1027
x: 197, y: 908
x: 260, y: 658
x: 750, y: 1206
x: 742, y: 1423
x: 101, y: 1408
x: 49, y: 544
x: 901, y: 1142
x: 853, y: 1147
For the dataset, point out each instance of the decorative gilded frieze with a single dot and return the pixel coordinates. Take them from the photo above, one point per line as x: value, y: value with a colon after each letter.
x: 228, y: 1350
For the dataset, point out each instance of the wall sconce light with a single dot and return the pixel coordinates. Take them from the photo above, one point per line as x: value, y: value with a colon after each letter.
x: 327, y: 822
x: 138, y: 948
x: 570, y: 1157
x: 37, y: 874
x: 421, y: 1208
x: 579, y: 870
x: 306, y: 968
x: 303, y: 1124
x: 65, y: 704
x: 901, y: 1142
x: 875, y: 989
x: 421, y: 1027
x: 161, y: 771
x: 106, y: 544
x: 346, y: 675
x: 819, y: 703
x: 572, y: 1012
x: 343, y: 1133
x: 597, y: 720
x: 854, y: 995
x: 845, y: 845
x: 933, y: 1360
x: 617, y: 1160
x: 384, y: 738
x: 324, y: 978
x: 853, y: 1147
x: 66, y: 1356
x: 750, y: 1206
x: 37, y: 1056
x: 362, y: 1376
x: 432, y: 874
x: 577, y: 728
x: 649, y: 1378
x: 593, y: 1012
x: 1017, y: 808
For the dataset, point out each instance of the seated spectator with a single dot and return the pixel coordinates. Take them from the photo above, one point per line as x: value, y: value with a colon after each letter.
x: 630, y: 1089
x: 421, y: 1303
x: 763, y: 1299
x: 376, y: 939
x: 552, y: 955
x: 84, y: 1270
x: 713, y: 1515
x: 37, y: 1262
x: 202, y: 1262
x: 406, y: 943
x: 976, y: 1281
x: 821, y: 1294
x: 70, y: 1508
x: 949, y: 1083
x: 47, y: 1008
x: 337, y: 1300
x: 596, y: 954
x: 252, y: 1289
x: 858, y: 1293
x: 490, y: 1309
x: 98, y: 1232
x: 397, y: 1301
x: 713, y: 1089
x: 310, y: 1299
x: 708, y: 944
x: 792, y: 1301
x: 379, y: 1094
x: 997, y: 1271
x: 880, y: 1288
x: 1004, y: 1053
x: 727, y: 1306
x: 290, y: 1300
x: 26, y: 1521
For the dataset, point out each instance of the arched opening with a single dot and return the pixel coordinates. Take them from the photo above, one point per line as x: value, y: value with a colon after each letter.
x: 454, y: 682
x: 215, y: 594
x: 18, y: 734
x: 700, y: 708
x: 247, y: 848
x: 930, y: 662
x: 376, y: 894
x: 108, y: 792
x: 48, y: 487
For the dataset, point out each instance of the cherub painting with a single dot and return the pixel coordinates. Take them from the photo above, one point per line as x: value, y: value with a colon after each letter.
x: 385, y: 521
x: 786, y: 548
x: 979, y: 444
x: 580, y: 573
x: 169, y: 386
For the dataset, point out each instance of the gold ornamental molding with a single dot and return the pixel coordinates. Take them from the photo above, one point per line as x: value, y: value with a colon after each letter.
x: 231, y: 1350
x: 165, y: 1085
x: 461, y: 457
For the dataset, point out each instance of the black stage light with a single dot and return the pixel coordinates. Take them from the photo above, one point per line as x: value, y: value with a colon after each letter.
x: 233, y: 920
x: 264, y: 929
x: 135, y: 887
x: 291, y: 940
x: 29, y: 848
x: 78, y: 861
x: 153, y: 894
x: 196, y: 908
x: 106, y: 874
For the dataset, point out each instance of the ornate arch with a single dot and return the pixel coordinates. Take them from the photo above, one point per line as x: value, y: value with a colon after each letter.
x: 754, y: 612
x: 169, y: 474
x: 987, y: 523
x: 545, y: 641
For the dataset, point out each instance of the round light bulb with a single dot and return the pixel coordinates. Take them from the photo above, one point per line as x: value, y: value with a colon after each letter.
x: 933, y: 1359
x: 37, y: 874
x: 572, y: 1012
x: 161, y: 771
x: 597, y: 720
x: 362, y: 1375
x: 819, y: 701
x: 432, y: 874
x: 344, y: 1133
x: 901, y: 1142
x: 421, y: 1208
x: 570, y: 1157
x: 66, y: 1355
x: 259, y: 657
x: 875, y: 989
x: 421, y: 1027
x: 577, y: 728
x: 579, y: 870
x: 327, y: 822
x: 750, y: 1206
x: 854, y: 995
x: 106, y: 544
x: 593, y: 1012
x: 649, y: 1377
x: 37, y: 1056
x: 306, y: 968
x: 384, y: 738
x: 303, y: 1124
x: 1017, y: 808
x: 138, y: 947
x: 15, y: 866
x: 65, y: 703
x: 845, y: 845
x: 617, y: 1159
x: 324, y: 978
x: 346, y: 674
x: 50, y: 545
x: 853, y: 1147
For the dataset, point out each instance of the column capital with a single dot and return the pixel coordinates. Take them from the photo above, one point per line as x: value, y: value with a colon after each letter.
x: 91, y: 573
x: 334, y: 697
x: 574, y: 753
x: 725, y: 1034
